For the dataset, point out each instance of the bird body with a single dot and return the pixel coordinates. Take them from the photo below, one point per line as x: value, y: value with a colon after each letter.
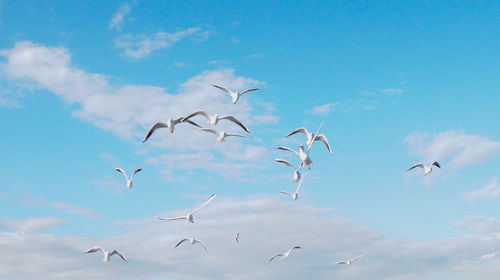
x: 107, y: 254
x: 214, y: 119
x: 235, y: 95
x: 129, y: 181
x: 294, y: 195
x: 303, y: 155
x: 349, y: 262
x: 284, y: 255
x: 238, y: 237
x: 311, y: 137
x: 296, y: 173
x: 189, y: 217
x: 192, y: 241
x: 427, y: 169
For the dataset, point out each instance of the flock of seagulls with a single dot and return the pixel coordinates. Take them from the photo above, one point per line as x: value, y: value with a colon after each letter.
x: 302, y: 153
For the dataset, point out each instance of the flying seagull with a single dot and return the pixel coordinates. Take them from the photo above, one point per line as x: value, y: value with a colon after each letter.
x: 296, y: 173
x: 349, y: 261
x: 294, y: 195
x: 192, y: 241
x: 170, y: 124
x: 427, y: 169
x: 284, y: 255
x: 238, y: 237
x: 221, y: 135
x: 214, y: 119
x: 310, y: 136
x: 129, y: 181
x: 189, y: 217
x: 106, y: 254
x: 235, y: 95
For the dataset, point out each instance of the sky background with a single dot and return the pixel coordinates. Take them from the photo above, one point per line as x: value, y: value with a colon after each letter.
x: 395, y: 83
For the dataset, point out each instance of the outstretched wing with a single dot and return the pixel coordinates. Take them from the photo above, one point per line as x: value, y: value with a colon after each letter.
x: 237, y: 135
x: 275, y: 256
x: 153, y: 128
x: 236, y: 121
x: 287, y: 193
x: 248, y: 90
x: 205, y: 203
x: 322, y: 138
x: 341, y: 262
x: 135, y: 171
x: 300, y: 184
x: 191, y: 122
x: 358, y: 257
x: 210, y: 130
x: 95, y: 249
x: 314, y: 139
x: 416, y: 165
x: 115, y: 252
x: 122, y: 172
x: 436, y: 164
x: 287, y: 149
x: 224, y: 89
x: 171, y: 219
x: 203, y: 113
x: 180, y: 242
x: 300, y: 129
x: 201, y: 243
x: 285, y: 162
x: 294, y: 247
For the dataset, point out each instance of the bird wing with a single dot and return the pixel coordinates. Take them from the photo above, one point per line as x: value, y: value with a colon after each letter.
x: 314, y: 139
x: 416, y: 165
x: 436, y: 164
x: 122, y: 172
x: 322, y: 138
x: 171, y: 219
x: 300, y: 129
x: 210, y: 130
x: 95, y: 249
x: 115, y: 252
x: 224, y: 89
x: 201, y: 243
x: 180, y: 242
x: 193, y: 123
x: 153, y: 128
x: 135, y: 171
x: 237, y: 135
x: 248, y: 90
x: 275, y: 256
x: 300, y: 184
x: 287, y: 193
x: 287, y: 149
x: 203, y: 113
x: 205, y: 203
x: 236, y: 121
x: 341, y: 262
x: 358, y: 257
x: 294, y: 247
x: 285, y: 162
x: 176, y: 121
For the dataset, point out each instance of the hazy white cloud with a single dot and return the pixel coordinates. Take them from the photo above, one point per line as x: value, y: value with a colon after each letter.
x: 30, y: 225
x: 268, y: 225
x: 392, y: 91
x: 130, y: 110
x: 119, y: 16
x: 459, y: 148
x: 480, y: 224
x: 490, y: 191
x: 139, y: 45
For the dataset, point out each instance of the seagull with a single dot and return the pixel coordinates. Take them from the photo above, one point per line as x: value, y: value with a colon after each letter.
x: 213, y: 120
x: 310, y: 136
x: 170, y: 124
x: 427, y: 169
x: 296, y: 173
x: 189, y: 217
x: 284, y: 255
x: 349, y: 261
x: 221, y: 135
x: 304, y: 156
x: 235, y: 95
x: 294, y: 195
x: 129, y: 181
x: 238, y: 237
x: 106, y: 254
x: 192, y: 241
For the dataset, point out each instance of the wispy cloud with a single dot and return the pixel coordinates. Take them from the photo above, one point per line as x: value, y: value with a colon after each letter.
x: 480, y: 224
x: 488, y: 192
x: 139, y: 45
x: 118, y: 18
x: 30, y: 225
x: 459, y: 148
x: 392, y: 91
x: 324, y: 109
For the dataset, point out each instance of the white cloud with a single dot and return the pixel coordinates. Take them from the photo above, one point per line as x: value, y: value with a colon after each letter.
x: 459, y: 148
x: 490, y: 191
x: 119, y: 16
x: 129, y: 110
x: 139, y: 46
x: 30, y: 225
x: 324, y: 109
x: 268, y: 225
x: 480, y: 224
x: 392, y: 91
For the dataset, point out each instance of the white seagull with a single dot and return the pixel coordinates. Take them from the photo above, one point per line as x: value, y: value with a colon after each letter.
x: 192, y: 241
x: 304, y: 156
x: 221, y: 135
x: 238, y: 237
x: 284, y: 255
x: 310, y: 137
x: 214, y: 119
x: 235, y: 95
x: 349, y: 261
x: 189, y: 217
x: 427, y: 169
x: 296, y: 173
x: 294, y: 195
x: 129, y: 181
x: 170, y: 124
x: 106, y: 254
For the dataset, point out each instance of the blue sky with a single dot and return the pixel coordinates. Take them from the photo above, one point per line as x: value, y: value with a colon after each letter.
x: 394, y: 82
